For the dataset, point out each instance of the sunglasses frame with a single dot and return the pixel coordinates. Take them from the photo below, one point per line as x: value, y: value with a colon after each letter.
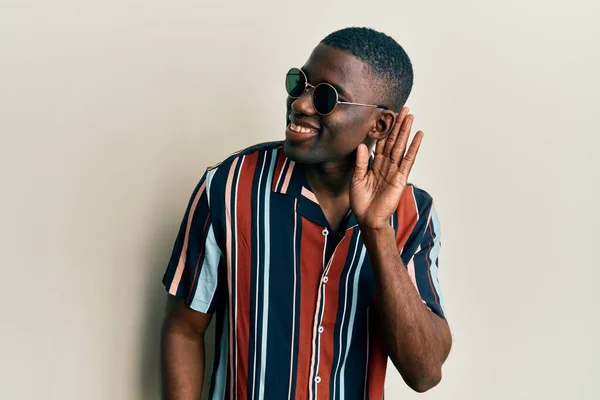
x: 337, y: 96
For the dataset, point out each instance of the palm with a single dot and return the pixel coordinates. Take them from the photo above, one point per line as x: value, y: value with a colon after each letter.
x: 375, y: 192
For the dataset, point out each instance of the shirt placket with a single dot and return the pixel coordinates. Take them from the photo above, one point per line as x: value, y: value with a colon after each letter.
x: 322, y: 303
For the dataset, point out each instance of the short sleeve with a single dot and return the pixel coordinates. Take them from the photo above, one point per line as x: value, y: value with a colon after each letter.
x: 423, y: 266
x: 193, y: 272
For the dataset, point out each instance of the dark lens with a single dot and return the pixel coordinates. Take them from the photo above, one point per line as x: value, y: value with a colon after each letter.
x: 324, y: 98
x: 294, y: 82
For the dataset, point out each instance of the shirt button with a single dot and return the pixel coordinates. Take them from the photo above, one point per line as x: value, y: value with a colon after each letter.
x: 325, y: 279
x: 321, y: 329
x: 318, y: 379
x: 325, y: 232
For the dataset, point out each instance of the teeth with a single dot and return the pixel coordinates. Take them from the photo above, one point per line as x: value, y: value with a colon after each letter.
x: 300, y: 129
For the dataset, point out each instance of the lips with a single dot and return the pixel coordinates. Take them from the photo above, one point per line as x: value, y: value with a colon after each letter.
x: 302, y: 123
x: 297, y: 134
x: 301, y: 129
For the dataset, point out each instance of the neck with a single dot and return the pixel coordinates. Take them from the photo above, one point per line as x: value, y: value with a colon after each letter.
x: 331, y: 178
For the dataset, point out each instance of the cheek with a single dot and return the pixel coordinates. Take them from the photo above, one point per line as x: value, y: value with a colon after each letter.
x: 349, y: 127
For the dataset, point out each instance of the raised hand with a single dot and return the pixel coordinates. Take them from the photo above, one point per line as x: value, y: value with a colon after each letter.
x: 375, y: 192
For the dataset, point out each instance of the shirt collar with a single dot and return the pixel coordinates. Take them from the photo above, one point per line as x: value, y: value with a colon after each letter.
x: 290, y: 179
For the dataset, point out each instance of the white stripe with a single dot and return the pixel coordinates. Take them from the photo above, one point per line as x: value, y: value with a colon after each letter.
x: 337, y: 365
x: 351, y: 323
x: 316, y: 335
x: 318, y: 341
x: 294, y: 303
x: 262, y: 170
x: 263, y: 359
x: 235, y: 263
x: 221, y: 374
x: 433, y: 256
x: 209, y: 177
x: 367, y: 363
x: 325, y: 250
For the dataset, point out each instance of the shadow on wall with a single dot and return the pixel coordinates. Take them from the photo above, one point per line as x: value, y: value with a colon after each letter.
x: 155, y: 306
x: 159, y: 250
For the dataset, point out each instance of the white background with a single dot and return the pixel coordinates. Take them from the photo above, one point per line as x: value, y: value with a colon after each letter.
x: 110, y: 111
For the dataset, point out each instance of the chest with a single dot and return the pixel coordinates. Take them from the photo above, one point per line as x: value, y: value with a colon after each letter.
x: 290, y: 254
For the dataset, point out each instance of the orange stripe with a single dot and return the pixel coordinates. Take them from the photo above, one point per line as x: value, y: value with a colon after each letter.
x: 407, y: 216
x: 244, y: 261
x: 183, y: 255
x: 311, y: 250
x: 309, y: 195
x: 229, y: 273
x: 288, y: 175
x: 330, y: 315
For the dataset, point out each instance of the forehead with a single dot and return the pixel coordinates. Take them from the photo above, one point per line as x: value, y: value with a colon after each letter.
x: 338, y: 67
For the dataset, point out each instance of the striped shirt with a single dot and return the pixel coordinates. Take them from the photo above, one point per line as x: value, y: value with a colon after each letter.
x: 295, y: 305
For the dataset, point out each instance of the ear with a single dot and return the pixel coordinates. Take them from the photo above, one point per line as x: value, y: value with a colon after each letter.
x: 383, y: 125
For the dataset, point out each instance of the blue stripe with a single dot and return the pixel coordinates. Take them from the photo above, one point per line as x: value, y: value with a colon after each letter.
x: 267, y: 265
x: 220, y: 372
x: 351, y: 324
x: 433, y: 257
x: 344, y: 294
x: 209, y: 275
x: 257, y: 283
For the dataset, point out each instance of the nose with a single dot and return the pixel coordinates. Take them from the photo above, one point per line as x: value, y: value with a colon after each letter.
x: 304, y: 104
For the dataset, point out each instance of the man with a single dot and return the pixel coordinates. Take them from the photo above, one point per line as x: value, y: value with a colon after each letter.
x: 318, y: 261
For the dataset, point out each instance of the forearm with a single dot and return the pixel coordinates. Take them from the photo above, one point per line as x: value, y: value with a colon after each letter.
x: 417, y: 340
x: 183, y: 364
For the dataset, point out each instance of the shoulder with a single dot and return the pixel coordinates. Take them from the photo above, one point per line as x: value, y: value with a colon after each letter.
x: 220, y: 173
x: 257, y: 149
x: 422, y: 197
x: 417, y: 200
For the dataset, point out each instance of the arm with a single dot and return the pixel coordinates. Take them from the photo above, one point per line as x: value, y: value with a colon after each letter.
x: 183, y: 351
x: 418, y: 341
x: 193, y: 279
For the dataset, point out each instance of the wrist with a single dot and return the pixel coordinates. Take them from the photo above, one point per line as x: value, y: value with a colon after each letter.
x: 377, y: 230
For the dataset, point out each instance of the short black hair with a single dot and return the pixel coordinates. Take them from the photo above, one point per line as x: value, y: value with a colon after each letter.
x: 386, y: 58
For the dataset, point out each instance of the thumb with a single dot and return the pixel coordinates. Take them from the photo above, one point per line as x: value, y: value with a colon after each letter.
x: 362, y: 162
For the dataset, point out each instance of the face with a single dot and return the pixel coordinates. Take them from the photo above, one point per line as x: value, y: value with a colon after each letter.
x: 336, y: 136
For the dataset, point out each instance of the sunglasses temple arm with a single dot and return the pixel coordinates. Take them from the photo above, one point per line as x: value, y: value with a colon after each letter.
x: 364, y: 105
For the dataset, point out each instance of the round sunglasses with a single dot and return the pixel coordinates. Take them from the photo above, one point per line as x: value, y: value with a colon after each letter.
x: 325, y: 97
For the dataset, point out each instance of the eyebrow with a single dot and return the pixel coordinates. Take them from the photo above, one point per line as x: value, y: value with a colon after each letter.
x: 337, y: 87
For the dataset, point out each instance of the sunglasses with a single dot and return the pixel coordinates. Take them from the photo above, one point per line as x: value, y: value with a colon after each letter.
x: 325, y: 97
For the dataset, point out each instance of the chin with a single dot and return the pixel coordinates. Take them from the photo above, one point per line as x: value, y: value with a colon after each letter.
x: 298, y: 154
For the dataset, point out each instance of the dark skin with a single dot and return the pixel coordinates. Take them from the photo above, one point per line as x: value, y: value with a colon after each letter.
x: 329, y: 157
x: 183, y: 351
x: 336, y: 163
x: 417, y: 341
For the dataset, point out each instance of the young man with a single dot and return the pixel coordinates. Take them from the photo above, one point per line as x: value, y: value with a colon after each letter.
x: 318, y: 261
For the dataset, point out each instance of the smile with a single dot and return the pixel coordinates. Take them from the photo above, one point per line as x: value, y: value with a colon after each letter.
x: 301, y: 129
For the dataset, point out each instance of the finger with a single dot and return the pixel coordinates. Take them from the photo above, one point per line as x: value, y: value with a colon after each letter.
x: 377, y: 158
x: 379, y: 146
x: 362, y: 162
x: 391, y: 139
x: 400, y: 145
x: 411, y: 155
